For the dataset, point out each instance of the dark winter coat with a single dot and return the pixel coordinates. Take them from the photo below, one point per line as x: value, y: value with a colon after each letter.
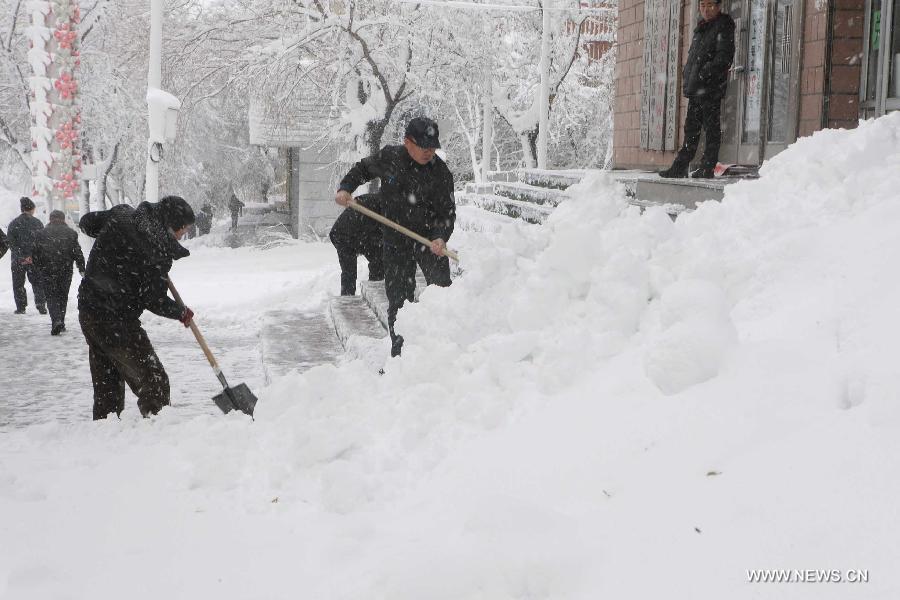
x: 356, y: 230
x: 419, y: 197
x: 55, y: 249
x: 21, y: 232
x: 235, y: 205
x: 709, y: 58
x: 4, y: 243
x: 128, y: 268
x: 204, y: 222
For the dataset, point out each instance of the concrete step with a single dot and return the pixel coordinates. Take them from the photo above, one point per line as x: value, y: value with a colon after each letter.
x: 518, y: 209
x: 373, y: 295
x: 294, y: 340
x: 675, y: 195
x: 549, y: 178
x: 350, y: 315
x: 516, y: 190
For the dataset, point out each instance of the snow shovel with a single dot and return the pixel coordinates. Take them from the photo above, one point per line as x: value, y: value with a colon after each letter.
x: 238, y: 397
x: 407, y: 232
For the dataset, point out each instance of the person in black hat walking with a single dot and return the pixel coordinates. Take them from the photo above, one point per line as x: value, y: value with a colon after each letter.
x: 55, y: 249
x: 417, y: 192
x: 704, y: 80
x: 127, y: 272
x: 21, y: 233
x: 353, y: 234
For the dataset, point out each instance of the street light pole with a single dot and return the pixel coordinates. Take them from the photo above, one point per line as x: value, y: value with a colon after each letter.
x: 154, y: 82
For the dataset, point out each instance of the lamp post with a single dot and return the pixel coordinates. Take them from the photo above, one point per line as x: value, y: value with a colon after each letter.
x: 154, y: 82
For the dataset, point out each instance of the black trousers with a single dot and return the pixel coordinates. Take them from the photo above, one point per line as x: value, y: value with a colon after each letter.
x: 400, y: 260
x: 19, y: 273
x: 56, y: 288
x: 348, y: 249
x: 119, y: 353
x: 234, y: 220
x: 702, y: 113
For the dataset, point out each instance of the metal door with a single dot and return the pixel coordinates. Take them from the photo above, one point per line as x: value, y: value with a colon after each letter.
x: 761, y: 103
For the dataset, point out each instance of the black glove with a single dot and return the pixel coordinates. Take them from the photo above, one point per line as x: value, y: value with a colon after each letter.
x: 186, y: 317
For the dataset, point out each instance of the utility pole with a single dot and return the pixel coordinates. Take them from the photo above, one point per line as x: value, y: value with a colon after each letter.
x: 154, y: 82
x: 544, y: 100
x: 487, y: 135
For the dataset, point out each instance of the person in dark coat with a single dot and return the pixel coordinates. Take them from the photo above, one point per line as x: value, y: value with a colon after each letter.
x: 704, y: 80
x: 417, y: 192
x: 55, y: 249
x: 127, y: 273
x: 237, y: 208
x: 204, y: 219
x: 353, y: 234
x: 4, y: 244
x: 21, y: 232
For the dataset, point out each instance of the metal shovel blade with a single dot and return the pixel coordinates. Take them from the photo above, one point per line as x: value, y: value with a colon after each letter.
x: 237, y: 397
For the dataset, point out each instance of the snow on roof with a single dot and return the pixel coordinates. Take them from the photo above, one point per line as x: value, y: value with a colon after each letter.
x: 302, y: 123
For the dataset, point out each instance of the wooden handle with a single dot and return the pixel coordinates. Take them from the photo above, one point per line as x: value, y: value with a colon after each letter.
x: 407, y: 232
x: 209, y: 355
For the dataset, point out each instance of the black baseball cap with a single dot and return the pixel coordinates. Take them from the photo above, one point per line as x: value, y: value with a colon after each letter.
x: 424, y: 132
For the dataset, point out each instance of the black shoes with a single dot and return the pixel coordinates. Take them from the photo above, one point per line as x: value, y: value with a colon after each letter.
x: 42, y: 310
x: 57, y: 328
x: 19, y: 311
x: 674, y: 172
x: 703, y: 173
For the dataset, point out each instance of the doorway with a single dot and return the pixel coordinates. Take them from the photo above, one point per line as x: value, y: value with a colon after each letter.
x: 759, y: 116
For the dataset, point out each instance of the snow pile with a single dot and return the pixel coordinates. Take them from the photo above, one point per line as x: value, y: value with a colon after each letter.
x: 608, y: 405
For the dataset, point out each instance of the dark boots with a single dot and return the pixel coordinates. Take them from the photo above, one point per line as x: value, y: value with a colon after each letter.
x: 676, y: 171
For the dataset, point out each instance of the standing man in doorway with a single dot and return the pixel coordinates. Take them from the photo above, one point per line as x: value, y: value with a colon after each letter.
x: 417, y: 192
x: 704, y: 80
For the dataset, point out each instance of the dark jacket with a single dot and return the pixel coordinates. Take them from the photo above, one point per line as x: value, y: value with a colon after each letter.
x: 21, y: 232
x: 709, y: 58
x: 419, y: 197
x: 128, y: 268
x: 55, y: 249
x: 235, y: 205
x: 353, y: 229
x: 204, y: 221
x: 4, y: 243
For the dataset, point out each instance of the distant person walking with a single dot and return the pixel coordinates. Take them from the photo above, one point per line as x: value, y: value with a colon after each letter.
x: 56, y: 248
x: 21, y: 232
x: 704, y: 81
x: 417, y: 192
x: 237, y: 208
x: 353, y: 234
x: 204, y: 220
x: 127, y: 273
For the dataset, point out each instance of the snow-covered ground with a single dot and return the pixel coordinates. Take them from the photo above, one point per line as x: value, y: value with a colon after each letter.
x: 610, y: 405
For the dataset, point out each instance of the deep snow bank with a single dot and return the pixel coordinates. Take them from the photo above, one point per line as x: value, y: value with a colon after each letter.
x: 609, y: 405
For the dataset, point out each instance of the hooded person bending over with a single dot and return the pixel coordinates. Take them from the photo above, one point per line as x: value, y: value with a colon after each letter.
x: 127, y: 272
x: 417, y: 192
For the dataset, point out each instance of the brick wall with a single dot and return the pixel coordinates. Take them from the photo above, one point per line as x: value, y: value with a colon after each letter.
x: 812, y: 68
x: 627, y: 152
x: 829, y: 74
x: 842, y: 85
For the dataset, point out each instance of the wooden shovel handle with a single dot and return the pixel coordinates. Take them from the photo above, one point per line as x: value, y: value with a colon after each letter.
x: 407, y: 232
x: 209, y: 355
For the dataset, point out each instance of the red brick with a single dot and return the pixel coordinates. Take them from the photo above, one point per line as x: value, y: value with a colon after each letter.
x: 848, y: 24
x: 811, y: 107
x: 814, y: 54
x: 849, y: 4
x: 843, y: 107
x: 846, y: 52
x: 845, y: 79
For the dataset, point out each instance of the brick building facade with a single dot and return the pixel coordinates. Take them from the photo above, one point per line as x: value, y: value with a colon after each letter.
x: 800, y: 66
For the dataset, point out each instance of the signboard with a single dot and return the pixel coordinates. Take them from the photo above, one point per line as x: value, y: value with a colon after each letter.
x: 659, y: 93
